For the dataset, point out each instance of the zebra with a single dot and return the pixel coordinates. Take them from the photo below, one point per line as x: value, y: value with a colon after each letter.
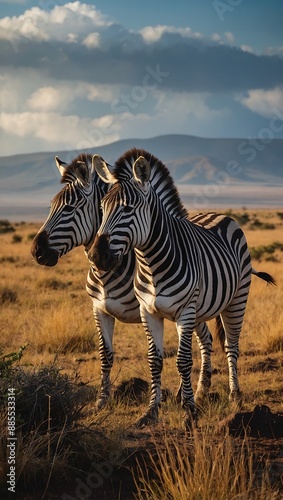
x: 188, y: 271
x: 73, y: 220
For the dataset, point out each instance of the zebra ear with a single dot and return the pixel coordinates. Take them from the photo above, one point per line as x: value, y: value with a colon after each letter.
x: 141, y: 170
x: 102, y: 169
x: 60, y: 165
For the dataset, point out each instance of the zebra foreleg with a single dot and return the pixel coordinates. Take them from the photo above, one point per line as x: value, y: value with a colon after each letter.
x: 204, y: 340
x: 153, y: 326
x: 105, y: 327
x: 184, y: 362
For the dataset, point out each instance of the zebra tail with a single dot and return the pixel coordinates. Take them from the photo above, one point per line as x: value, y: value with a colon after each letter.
x: 220, y: 332
x: 264, y: 276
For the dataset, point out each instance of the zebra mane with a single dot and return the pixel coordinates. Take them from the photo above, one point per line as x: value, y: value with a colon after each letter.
x: 160, y: 179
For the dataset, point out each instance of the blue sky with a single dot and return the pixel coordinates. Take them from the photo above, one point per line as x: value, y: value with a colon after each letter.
x: 76, y: 75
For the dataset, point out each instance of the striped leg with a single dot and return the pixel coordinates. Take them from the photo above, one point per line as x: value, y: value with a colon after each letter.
x: 204, y: 340
x: 184, y: 362
x: 153, y: 326
x: 232, y: 319
x: 105, y: 326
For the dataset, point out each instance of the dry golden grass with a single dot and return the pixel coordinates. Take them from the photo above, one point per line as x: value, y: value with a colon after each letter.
x: 51, y: 312
x: 49, y: 309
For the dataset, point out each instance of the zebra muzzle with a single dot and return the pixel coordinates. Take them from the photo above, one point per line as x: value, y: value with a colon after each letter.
x: 41, y: 251
x: 101, y: 256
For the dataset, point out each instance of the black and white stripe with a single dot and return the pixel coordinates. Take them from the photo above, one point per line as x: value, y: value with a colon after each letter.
x: 188, y: 271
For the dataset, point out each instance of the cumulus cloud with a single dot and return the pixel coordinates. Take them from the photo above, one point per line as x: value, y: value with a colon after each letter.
x: 92, y: 40
x: 152, y: 34
x: 94, y: 48
x: 71, y: 75
x: 64, y: 130
x: 45, y: 99
x: 264, y: 102
x: 72, y: 19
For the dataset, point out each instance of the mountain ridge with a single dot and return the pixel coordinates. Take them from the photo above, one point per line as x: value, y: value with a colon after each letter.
x: 217, y: 167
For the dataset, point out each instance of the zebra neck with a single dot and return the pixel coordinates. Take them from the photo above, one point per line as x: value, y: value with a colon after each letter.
x: 95, y: 222
x: 167, y: 243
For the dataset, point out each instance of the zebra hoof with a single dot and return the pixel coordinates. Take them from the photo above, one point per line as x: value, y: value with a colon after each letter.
x: 100, y: 403
x: 149, y: 417
x: 190, y: 418
x: 236, y: 399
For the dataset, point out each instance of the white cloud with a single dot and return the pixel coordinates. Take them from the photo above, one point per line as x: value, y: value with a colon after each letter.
x: 100, y: 93
x: 263, y: 102
x: 61, y: 23
x: 247, y: 48
x: 179, y: 106
x: 229, y: 36
x: 274, y: 51
x: 152, y: 34
x: 92, y: 40
x: 216, y: 37
x: 64, y: 131
x: 46, y: 99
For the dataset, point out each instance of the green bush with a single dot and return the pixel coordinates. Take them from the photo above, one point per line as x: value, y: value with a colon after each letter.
x: 266, y: 251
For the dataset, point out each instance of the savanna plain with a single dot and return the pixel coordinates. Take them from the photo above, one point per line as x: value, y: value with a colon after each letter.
x: 65, y: 449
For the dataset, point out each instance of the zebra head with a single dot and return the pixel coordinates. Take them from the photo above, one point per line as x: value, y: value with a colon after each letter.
x: 126, y: 214
x: 74, y: 215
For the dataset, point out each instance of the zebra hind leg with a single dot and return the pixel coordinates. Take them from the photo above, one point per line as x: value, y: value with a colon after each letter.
x: 204, y: 340
x: 105, y: 327
x: 232, y: 319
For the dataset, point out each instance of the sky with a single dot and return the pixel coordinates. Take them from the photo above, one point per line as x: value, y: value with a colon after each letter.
x: 77, y: 75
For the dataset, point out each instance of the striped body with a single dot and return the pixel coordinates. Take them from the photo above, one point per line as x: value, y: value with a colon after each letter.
x: 207, y: 265
x: 188, y: 271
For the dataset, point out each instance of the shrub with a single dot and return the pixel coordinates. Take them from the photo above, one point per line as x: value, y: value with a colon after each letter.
x: 242, y: 219
x: 266, y: 251
x: 257, y: 224
x: 17, y: 238
x: 6, y: 227
x: 52, y: 443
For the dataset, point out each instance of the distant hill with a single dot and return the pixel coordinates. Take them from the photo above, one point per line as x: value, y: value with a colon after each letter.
x: 209, y: 173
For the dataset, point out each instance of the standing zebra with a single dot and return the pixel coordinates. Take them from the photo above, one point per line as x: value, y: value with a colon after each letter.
x: 188, y: 271
x: 74, y: 218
